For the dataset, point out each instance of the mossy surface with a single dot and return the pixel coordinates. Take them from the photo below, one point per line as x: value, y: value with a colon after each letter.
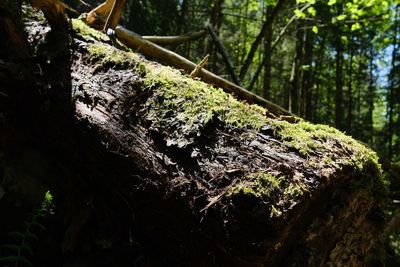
x: 281, y: 191
x: 87, y: 32
x: 180, y: 108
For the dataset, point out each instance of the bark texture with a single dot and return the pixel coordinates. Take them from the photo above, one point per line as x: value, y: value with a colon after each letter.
x: 152, y: 168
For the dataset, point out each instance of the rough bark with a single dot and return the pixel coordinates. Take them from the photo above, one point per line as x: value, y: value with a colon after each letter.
x: 151, y: 168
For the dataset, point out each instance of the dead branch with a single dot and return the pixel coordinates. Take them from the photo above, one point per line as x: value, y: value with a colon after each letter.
x: 202, y: 63
x: 176, y: 40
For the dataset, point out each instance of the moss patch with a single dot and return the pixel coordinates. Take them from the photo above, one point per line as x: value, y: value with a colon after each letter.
x: 282, y: 192
x: 260, y: 185
x: 180, y: 108
x: 90, y: 34
x: 326, y: 146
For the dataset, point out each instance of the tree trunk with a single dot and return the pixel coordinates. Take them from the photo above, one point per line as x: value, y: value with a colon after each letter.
x: 350, y: 89
x: 268, y: 22
x: 371, y: 97
x: 392, y: 84
x: 296, y: 71
x: 339, y: 83
x: 150, y: 167
x: 268, y: 57
x: 306, y: 87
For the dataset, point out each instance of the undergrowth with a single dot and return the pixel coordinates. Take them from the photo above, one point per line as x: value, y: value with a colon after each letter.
x: 22, y: 250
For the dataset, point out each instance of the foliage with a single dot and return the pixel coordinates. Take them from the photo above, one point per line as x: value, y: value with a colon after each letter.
x: 22, y: 250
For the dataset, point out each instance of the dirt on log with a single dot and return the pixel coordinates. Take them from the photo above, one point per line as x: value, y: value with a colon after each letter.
x: 149, y: 167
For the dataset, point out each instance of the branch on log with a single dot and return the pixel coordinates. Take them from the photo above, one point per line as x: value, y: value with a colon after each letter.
x: 202, y: 63
x: 176, y: 40
x: 136, y: 42
x: 222, y: 50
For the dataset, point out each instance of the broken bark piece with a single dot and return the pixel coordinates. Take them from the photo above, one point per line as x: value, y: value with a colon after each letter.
x: 106, y: 15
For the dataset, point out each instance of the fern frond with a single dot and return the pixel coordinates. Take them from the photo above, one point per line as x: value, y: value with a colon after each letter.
x: 14, y: 258
x: 21, y: 247
x: 39, y: 225
x: 17, y: 235
x: 30, y: 235
x: 11, y: 247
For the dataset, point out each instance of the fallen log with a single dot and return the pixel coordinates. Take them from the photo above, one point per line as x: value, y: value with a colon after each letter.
x: 136, y: 42
x: 150, y: 167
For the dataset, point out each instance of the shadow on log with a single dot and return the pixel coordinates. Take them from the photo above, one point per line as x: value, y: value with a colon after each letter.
x: 152, y: 168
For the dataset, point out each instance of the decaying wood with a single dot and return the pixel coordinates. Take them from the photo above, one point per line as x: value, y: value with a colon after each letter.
x: 144, y: 174
x: 136, y: 42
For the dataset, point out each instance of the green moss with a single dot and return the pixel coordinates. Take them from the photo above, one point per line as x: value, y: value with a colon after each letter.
x: 181, y: 107
x: 282, y: 192
x: 200, y: 102
x: 260, y: 185
x: 87, y: 32
x: 327, y: 144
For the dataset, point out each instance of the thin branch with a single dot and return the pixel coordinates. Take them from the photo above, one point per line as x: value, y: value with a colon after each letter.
x: 176, y: 40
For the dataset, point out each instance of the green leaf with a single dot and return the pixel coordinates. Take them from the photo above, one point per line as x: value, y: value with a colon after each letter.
x: 299, y: 13
x: 48, y: 198
x: 344, y: 39
x: 315, y: 29
x: 312, y: 11
x: 356, y: 26
x: 331, y: 2
x: 341, y: 17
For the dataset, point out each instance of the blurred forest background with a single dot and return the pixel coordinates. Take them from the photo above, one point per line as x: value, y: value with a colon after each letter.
x: 334, y: 62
